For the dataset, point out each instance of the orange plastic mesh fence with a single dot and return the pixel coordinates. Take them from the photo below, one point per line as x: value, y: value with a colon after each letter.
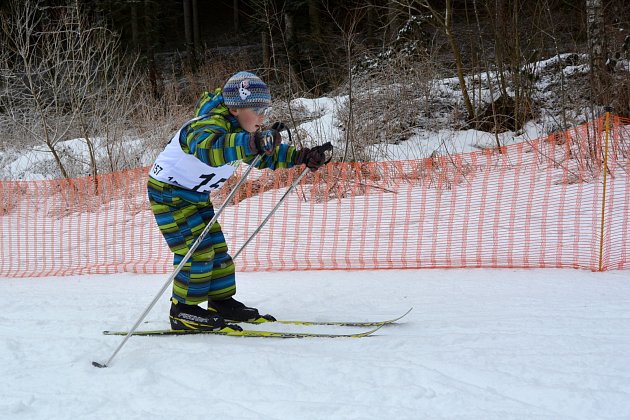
x: 533, y: 204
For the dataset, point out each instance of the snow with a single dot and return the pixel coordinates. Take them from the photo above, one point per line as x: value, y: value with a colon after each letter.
x: 479, y: 344
x: 427, y: 143
x: 323, y: 124
x: 36, y: 164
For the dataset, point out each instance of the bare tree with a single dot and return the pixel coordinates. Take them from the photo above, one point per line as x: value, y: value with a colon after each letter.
x: 236, y: 16
x: 63, y: 78
x: 596, y: 44
x: 134, y: 24
x: 268, y: 17
x: 445, y: 21
x: 35, y: 79
x: 314, y: 20
x: 150, y: 47
x: 191, y: 32
x: 393, y: 20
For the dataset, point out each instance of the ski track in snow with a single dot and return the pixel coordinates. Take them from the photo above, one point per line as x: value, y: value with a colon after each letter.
x: 479, y: 344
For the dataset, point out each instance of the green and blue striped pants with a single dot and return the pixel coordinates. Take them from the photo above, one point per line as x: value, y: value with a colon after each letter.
x: 182, y: 215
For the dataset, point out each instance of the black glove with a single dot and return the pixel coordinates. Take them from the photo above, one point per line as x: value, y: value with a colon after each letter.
x: 267, y: 141
x: 279, y: 126
x: 312, y: 158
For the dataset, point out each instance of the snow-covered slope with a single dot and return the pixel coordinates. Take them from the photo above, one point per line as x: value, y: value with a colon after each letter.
x: 479, y: 344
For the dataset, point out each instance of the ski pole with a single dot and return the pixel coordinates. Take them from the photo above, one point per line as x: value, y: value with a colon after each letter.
x: 264, y: 222
x: 327, y: 148
x: 182, y: 262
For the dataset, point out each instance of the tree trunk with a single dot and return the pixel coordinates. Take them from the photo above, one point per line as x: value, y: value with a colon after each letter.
x: 149, y: 40
x: 289, y: 28
x: 448, y: 27
x: 195, y: 23
x: 371, y: 19
x: 266, y: 51
x: 596, y: 46
x: 60, y: 165
x: 501, y: 41
x: 292, y: 47
x: 189, y: 33
x: 314, y: 18
x: 134, y: 25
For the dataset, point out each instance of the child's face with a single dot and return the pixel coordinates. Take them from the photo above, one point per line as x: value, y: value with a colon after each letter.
x: 248, y: 118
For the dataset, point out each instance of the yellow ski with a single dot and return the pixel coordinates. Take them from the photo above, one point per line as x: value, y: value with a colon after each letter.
x: 263, y: 320
x: 248, y: 333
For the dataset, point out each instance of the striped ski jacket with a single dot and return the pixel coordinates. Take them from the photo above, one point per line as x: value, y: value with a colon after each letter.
x: 206, y: 150
x: 217, y: 139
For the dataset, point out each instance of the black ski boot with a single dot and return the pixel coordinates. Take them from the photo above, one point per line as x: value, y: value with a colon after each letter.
x: 193, y: 317
x: 233, y: 310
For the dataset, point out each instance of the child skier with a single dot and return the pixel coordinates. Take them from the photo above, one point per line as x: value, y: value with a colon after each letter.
x: 200, y: 157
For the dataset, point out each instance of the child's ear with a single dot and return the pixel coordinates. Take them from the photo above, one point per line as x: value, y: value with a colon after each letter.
x: 233, y: 111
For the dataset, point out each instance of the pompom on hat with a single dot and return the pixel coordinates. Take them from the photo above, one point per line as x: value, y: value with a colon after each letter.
x: 246, y: 90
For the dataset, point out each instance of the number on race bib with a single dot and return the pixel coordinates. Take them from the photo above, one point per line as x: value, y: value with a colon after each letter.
x: 206, y: 179
x: 156, y: 169
x: 218, y: 183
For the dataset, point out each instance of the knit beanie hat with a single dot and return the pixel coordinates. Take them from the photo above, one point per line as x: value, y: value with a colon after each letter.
x: 246, y: 90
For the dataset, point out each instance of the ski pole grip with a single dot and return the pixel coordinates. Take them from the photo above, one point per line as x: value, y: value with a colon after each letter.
x: 280, y: 127
x: 327, y: 147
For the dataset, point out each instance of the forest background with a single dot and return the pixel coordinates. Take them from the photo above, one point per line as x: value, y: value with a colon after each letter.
x: 101, y: 85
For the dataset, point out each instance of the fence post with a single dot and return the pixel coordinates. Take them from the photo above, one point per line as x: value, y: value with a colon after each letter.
x: 601, y: 232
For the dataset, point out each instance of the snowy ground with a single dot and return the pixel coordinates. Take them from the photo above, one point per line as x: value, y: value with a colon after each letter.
x: 479, y: 344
